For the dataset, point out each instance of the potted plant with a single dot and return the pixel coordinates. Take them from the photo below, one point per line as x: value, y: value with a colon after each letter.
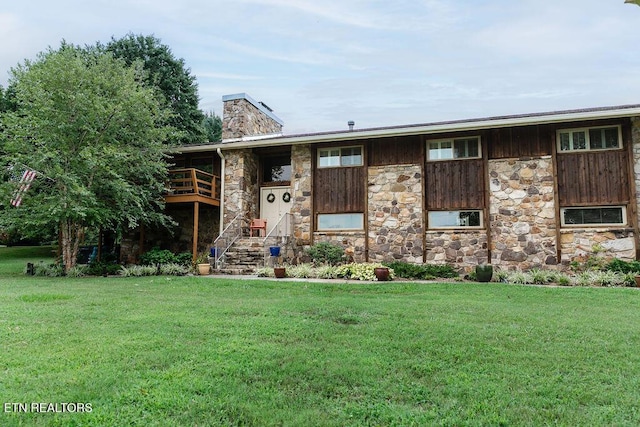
x: 202, y: 262
x: 484, y: 272
x: 280, y: 272
x: 382, y: 273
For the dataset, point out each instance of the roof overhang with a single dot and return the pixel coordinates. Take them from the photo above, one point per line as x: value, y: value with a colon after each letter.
x: 423, y: 129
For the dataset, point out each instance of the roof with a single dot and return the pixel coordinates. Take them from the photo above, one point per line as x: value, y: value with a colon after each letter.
x: 425, y: 128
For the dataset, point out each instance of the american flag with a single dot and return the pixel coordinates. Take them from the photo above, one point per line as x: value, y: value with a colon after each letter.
x: 27, y: 178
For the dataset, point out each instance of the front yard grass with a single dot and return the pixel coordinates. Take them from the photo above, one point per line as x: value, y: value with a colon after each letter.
x: 176, y: 351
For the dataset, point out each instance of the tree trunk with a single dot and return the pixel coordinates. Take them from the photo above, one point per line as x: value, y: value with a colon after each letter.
x: 72, y: 235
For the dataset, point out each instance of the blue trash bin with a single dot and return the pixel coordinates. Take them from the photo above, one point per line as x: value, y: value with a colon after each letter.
x: 274, y: 250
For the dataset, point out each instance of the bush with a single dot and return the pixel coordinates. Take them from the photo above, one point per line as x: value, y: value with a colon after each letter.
x: 138, y: 271
x: 361, y: 271
x: 163, y: 256
x: 623, y: 266
x: 157, y: 256
x: 422, y: 271
x: 174, y: 269
x: 100, y: 268
x: 326, y: 253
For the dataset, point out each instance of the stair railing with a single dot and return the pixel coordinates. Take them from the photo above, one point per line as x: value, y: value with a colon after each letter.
x: 281, y: 233
x: 228, y: 237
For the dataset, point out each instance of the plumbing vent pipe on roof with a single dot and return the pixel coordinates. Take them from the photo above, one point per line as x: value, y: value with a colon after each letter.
x: 351, y: 124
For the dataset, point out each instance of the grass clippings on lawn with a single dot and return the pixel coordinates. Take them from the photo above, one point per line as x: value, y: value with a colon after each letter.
x: 202, y: 351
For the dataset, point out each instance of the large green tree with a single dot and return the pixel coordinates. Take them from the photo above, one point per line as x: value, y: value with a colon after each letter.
x: 95, y: 135
x: 171, y: 76
x: 213, y: 127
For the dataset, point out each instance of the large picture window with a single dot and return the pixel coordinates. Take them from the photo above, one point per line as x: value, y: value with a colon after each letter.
x: 459, y: 148
x: 594, y: 216
x: 344, y: 221
x: 455, y: 219
x: 585, y: 139
x: 339, y: 157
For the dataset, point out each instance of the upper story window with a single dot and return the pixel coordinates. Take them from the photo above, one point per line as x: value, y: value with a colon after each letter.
x: 584, y: 139
x: 337, y: 157
x: 459, y: 148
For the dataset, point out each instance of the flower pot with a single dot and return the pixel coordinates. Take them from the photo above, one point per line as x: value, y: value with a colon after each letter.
x: 637, y: 281
x: 484, y: 272
x: 274, y: 250
x: 280, y: 272
x: 382, y: 273
x: 204, y: 269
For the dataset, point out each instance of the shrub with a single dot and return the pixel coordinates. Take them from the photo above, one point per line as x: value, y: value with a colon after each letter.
x: 422, y: 271
x: 361, y: 271
x: 47, y: 270
x: 99, y: 268
x: 138, y: 271
x: 300, y: 271
x: 77, y: 271
x: 326, y: 272
x: 174, y: 269
x: 326, y: 253
x: 157, y: 256
x: 623, y: 266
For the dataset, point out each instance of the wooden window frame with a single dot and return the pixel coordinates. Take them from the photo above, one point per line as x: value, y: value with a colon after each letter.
x: 340, y: 156
x: 586, y: 131
x: 622, y: 208
x: 318, y: 222
x: 458, y: 227
x: 453, y: 143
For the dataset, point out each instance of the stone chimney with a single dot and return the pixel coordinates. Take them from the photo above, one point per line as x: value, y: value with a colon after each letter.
x: 243, y: 117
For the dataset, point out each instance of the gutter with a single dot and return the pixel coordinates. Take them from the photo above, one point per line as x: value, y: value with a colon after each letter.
x: 222, y: 172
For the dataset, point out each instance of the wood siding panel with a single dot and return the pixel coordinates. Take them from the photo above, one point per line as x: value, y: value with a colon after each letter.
x: 455, y: 185
x: 339, y: 190
x: 523, y: 141
x: 593, y: 178
x: 395, y: 151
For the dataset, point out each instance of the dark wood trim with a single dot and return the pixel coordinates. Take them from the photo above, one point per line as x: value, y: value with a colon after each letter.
x: 632, y: 207
x: 425, y: 217
x: 556, y: 196
x: 487, y: 193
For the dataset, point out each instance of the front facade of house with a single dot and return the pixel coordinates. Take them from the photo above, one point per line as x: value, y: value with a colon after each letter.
x: 520, y: 192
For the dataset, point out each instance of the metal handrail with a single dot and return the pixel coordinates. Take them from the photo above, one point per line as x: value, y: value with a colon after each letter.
x: 224, y: 242
x: 282, y: 229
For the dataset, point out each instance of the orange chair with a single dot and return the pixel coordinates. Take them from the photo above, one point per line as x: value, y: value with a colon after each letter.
x: 258, y: 224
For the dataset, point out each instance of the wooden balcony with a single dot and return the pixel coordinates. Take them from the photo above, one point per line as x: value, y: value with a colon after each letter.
x: 193, y: 185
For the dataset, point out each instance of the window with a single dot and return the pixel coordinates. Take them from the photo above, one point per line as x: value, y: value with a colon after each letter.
x: 608, y: 215
x: 336, y: 157
x: 276, y: 169
x: 348, y: 221
x: 455, y: 219
x: 600, y: 138
x: 462, y: 148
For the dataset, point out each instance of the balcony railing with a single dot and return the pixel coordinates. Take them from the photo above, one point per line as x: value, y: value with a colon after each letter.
x: 184, y: 184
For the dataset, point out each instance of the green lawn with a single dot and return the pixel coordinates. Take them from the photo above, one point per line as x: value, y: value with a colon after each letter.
x: 200, y: 351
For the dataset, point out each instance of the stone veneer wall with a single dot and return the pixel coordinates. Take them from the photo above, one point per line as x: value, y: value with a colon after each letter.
x: 635, y: 140
x: 241, y: 118
x: 578, y: 244
x: 395, y: 213
x: 301, y: 186
x: 240, y: 185
x: 522, y: 213
x: 352, y: 241
x: 463, y: 249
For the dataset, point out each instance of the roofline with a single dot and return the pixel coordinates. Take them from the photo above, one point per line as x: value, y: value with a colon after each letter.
x: 264, y: 108
x: 426, y: 128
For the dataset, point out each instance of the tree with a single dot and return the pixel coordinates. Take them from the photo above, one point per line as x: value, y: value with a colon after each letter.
x: 171, y: 76
x: 213, y: 127
x: 91, y: 129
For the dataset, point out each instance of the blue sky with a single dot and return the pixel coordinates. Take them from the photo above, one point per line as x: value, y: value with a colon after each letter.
x: 319, y: 64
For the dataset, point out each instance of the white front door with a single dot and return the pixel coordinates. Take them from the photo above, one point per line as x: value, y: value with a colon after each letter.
x: 275, y: 202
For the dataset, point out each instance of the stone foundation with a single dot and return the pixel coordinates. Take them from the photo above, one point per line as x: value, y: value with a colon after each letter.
x: 395, y: 213
x: 301, y: 186
x: 352, y: 242
x: 463, y: 250
x: 578, y: 244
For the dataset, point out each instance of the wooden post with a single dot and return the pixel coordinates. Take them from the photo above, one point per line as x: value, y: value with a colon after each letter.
x: 141, y: 242
x: 196, y: 221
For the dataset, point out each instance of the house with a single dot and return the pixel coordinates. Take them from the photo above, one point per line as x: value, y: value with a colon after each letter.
x: 521, y: 191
